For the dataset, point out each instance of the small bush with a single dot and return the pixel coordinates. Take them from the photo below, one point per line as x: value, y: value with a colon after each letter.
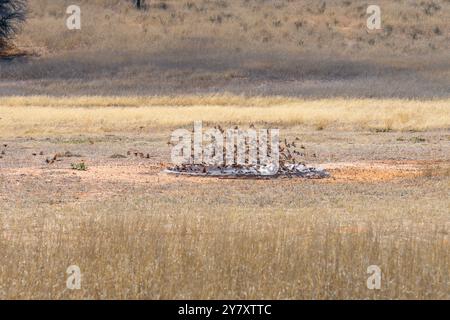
x: 418, y: 139
x: 79, y: 166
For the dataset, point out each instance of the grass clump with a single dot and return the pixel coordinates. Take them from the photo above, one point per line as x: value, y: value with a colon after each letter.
x: 81, y: 166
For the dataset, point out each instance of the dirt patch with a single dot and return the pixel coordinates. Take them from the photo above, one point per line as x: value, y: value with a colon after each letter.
x: 376, y: 171
x: 371, y: 172
x: 59, y: 185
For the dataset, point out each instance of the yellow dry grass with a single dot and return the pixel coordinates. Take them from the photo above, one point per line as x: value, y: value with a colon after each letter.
x: 139, y: 101
x: 248, y: 25
x: 47, y: 115
x: 181, y: 239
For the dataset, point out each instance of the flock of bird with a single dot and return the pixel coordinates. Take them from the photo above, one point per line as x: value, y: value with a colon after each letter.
x: 289, y: 165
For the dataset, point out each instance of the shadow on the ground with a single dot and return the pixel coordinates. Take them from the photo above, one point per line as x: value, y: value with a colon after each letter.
x: 185, y: 72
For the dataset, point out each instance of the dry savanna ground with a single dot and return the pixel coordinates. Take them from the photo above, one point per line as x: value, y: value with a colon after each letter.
x: 136, y: 232
x: 313, y: 49
x: 85, y: 117
x: 44, y: 115
x: 338, y: 26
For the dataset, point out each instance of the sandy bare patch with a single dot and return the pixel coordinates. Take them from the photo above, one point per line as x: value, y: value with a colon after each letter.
x: 105, y: 180
x: 371, y: 171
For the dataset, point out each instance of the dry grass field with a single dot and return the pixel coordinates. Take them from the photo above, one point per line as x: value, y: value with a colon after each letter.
x: 136, y: 232
x: 85, y: 119
x: 409, y: 27
x: 312, y: 49
x: 44, y: 115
